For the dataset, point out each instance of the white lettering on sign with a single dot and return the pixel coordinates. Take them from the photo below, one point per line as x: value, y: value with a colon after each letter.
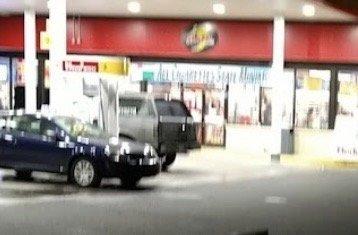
x: 80, y: 66
x: 203, y: 73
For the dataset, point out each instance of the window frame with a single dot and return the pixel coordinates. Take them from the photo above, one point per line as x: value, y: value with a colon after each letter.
x: 334, y: 85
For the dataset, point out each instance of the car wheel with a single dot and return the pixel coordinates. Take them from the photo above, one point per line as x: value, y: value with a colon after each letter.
x: 24, y: 174
x: 169, y: 160
x: 130, y: 181
x: 84, y: 173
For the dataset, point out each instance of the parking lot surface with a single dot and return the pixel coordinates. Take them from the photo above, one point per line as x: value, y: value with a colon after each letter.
x: 205, y: 193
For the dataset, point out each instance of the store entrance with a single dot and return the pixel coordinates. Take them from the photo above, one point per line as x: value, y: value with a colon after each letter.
x: 206, y: 105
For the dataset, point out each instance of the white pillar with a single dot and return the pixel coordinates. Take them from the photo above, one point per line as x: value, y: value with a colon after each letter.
x: 30, y: 61
x: 277, y: 73
x: 57, y: 53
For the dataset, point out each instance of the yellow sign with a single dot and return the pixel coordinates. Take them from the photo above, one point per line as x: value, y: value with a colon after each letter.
x: 312, y: 83
x: 44, y: 41
x: 114, y: 67
x: 348, y: 88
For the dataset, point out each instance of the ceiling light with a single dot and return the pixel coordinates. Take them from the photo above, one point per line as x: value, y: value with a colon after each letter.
x: 133, y: 7
x: 308, y: 10
x: 219, y: 8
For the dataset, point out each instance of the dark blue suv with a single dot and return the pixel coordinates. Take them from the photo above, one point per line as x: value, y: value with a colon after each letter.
x: 68, y: 146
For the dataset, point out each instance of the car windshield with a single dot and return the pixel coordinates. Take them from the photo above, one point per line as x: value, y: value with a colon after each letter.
x: 76, y: 127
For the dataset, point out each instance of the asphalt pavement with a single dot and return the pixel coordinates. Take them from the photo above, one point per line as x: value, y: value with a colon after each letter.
x: 199, y: 195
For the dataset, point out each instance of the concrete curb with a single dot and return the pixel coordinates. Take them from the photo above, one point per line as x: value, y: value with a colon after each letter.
x: 317, y: 161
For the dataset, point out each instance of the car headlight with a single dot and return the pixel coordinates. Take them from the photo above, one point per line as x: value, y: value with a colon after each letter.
x: 149, y: 151
x: 107, y: 150
x: 124, y: 149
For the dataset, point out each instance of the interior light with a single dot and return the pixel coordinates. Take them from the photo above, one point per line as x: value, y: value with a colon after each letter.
x: 219, y: 8
x: 133, y: 7
x: 308, y: 10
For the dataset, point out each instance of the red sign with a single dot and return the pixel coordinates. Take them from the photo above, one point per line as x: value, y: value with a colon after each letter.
x: 80, y: 66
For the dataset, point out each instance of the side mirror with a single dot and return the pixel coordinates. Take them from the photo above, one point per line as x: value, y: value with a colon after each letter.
x: 60, y: 135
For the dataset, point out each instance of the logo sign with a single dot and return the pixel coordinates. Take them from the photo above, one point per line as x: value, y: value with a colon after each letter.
x: 80, y: 66
x: 200, y: 37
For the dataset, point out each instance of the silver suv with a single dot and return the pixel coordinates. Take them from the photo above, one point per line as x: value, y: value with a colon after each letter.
x: 165, y: 124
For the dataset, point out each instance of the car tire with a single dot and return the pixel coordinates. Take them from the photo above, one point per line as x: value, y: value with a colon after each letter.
x: 130, y: 181
x: 169, y: 160
x: 85, y: 173
x: 24, y: 175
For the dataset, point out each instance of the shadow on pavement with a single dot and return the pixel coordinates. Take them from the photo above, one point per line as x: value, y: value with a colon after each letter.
x: 139, y: 188
x: 35, y: 180
x: 185, y: 172
x: 262, y: 232
x: 57, y: 186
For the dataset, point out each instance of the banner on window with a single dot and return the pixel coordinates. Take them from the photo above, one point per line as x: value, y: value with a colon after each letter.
x: 199, y: 73
x: 346, y: 137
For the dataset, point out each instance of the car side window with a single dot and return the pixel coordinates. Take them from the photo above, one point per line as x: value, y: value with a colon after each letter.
x: 26, y: 124
x: 135, y: 107
x: 46, y: 126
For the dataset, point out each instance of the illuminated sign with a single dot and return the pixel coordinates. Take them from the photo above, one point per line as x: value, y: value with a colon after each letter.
x: 103, y: 66
x: 80, y: 66
x: 200, y: 73
x: 200, y: 37
x: 45, y: 40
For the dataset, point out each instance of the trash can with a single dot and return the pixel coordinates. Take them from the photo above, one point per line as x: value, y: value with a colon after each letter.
x: 287, y: 141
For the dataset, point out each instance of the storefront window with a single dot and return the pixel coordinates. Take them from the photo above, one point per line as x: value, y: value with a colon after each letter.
x: 47, y: 75
x: 250, y: 101
x: 346, y: 123
x: 312, y: 98
x: 244, y: 101
x: 19, y: 82
x: 266, y: 106
x: 19, y: 72
x: 193, y: 99
x: 4, y: 84
x: 214, y: 117
x: 347, y: 93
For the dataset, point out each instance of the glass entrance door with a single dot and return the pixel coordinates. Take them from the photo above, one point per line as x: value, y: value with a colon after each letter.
x: 207, y: 106
x: 193, y: 99
x: 214, y: 119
